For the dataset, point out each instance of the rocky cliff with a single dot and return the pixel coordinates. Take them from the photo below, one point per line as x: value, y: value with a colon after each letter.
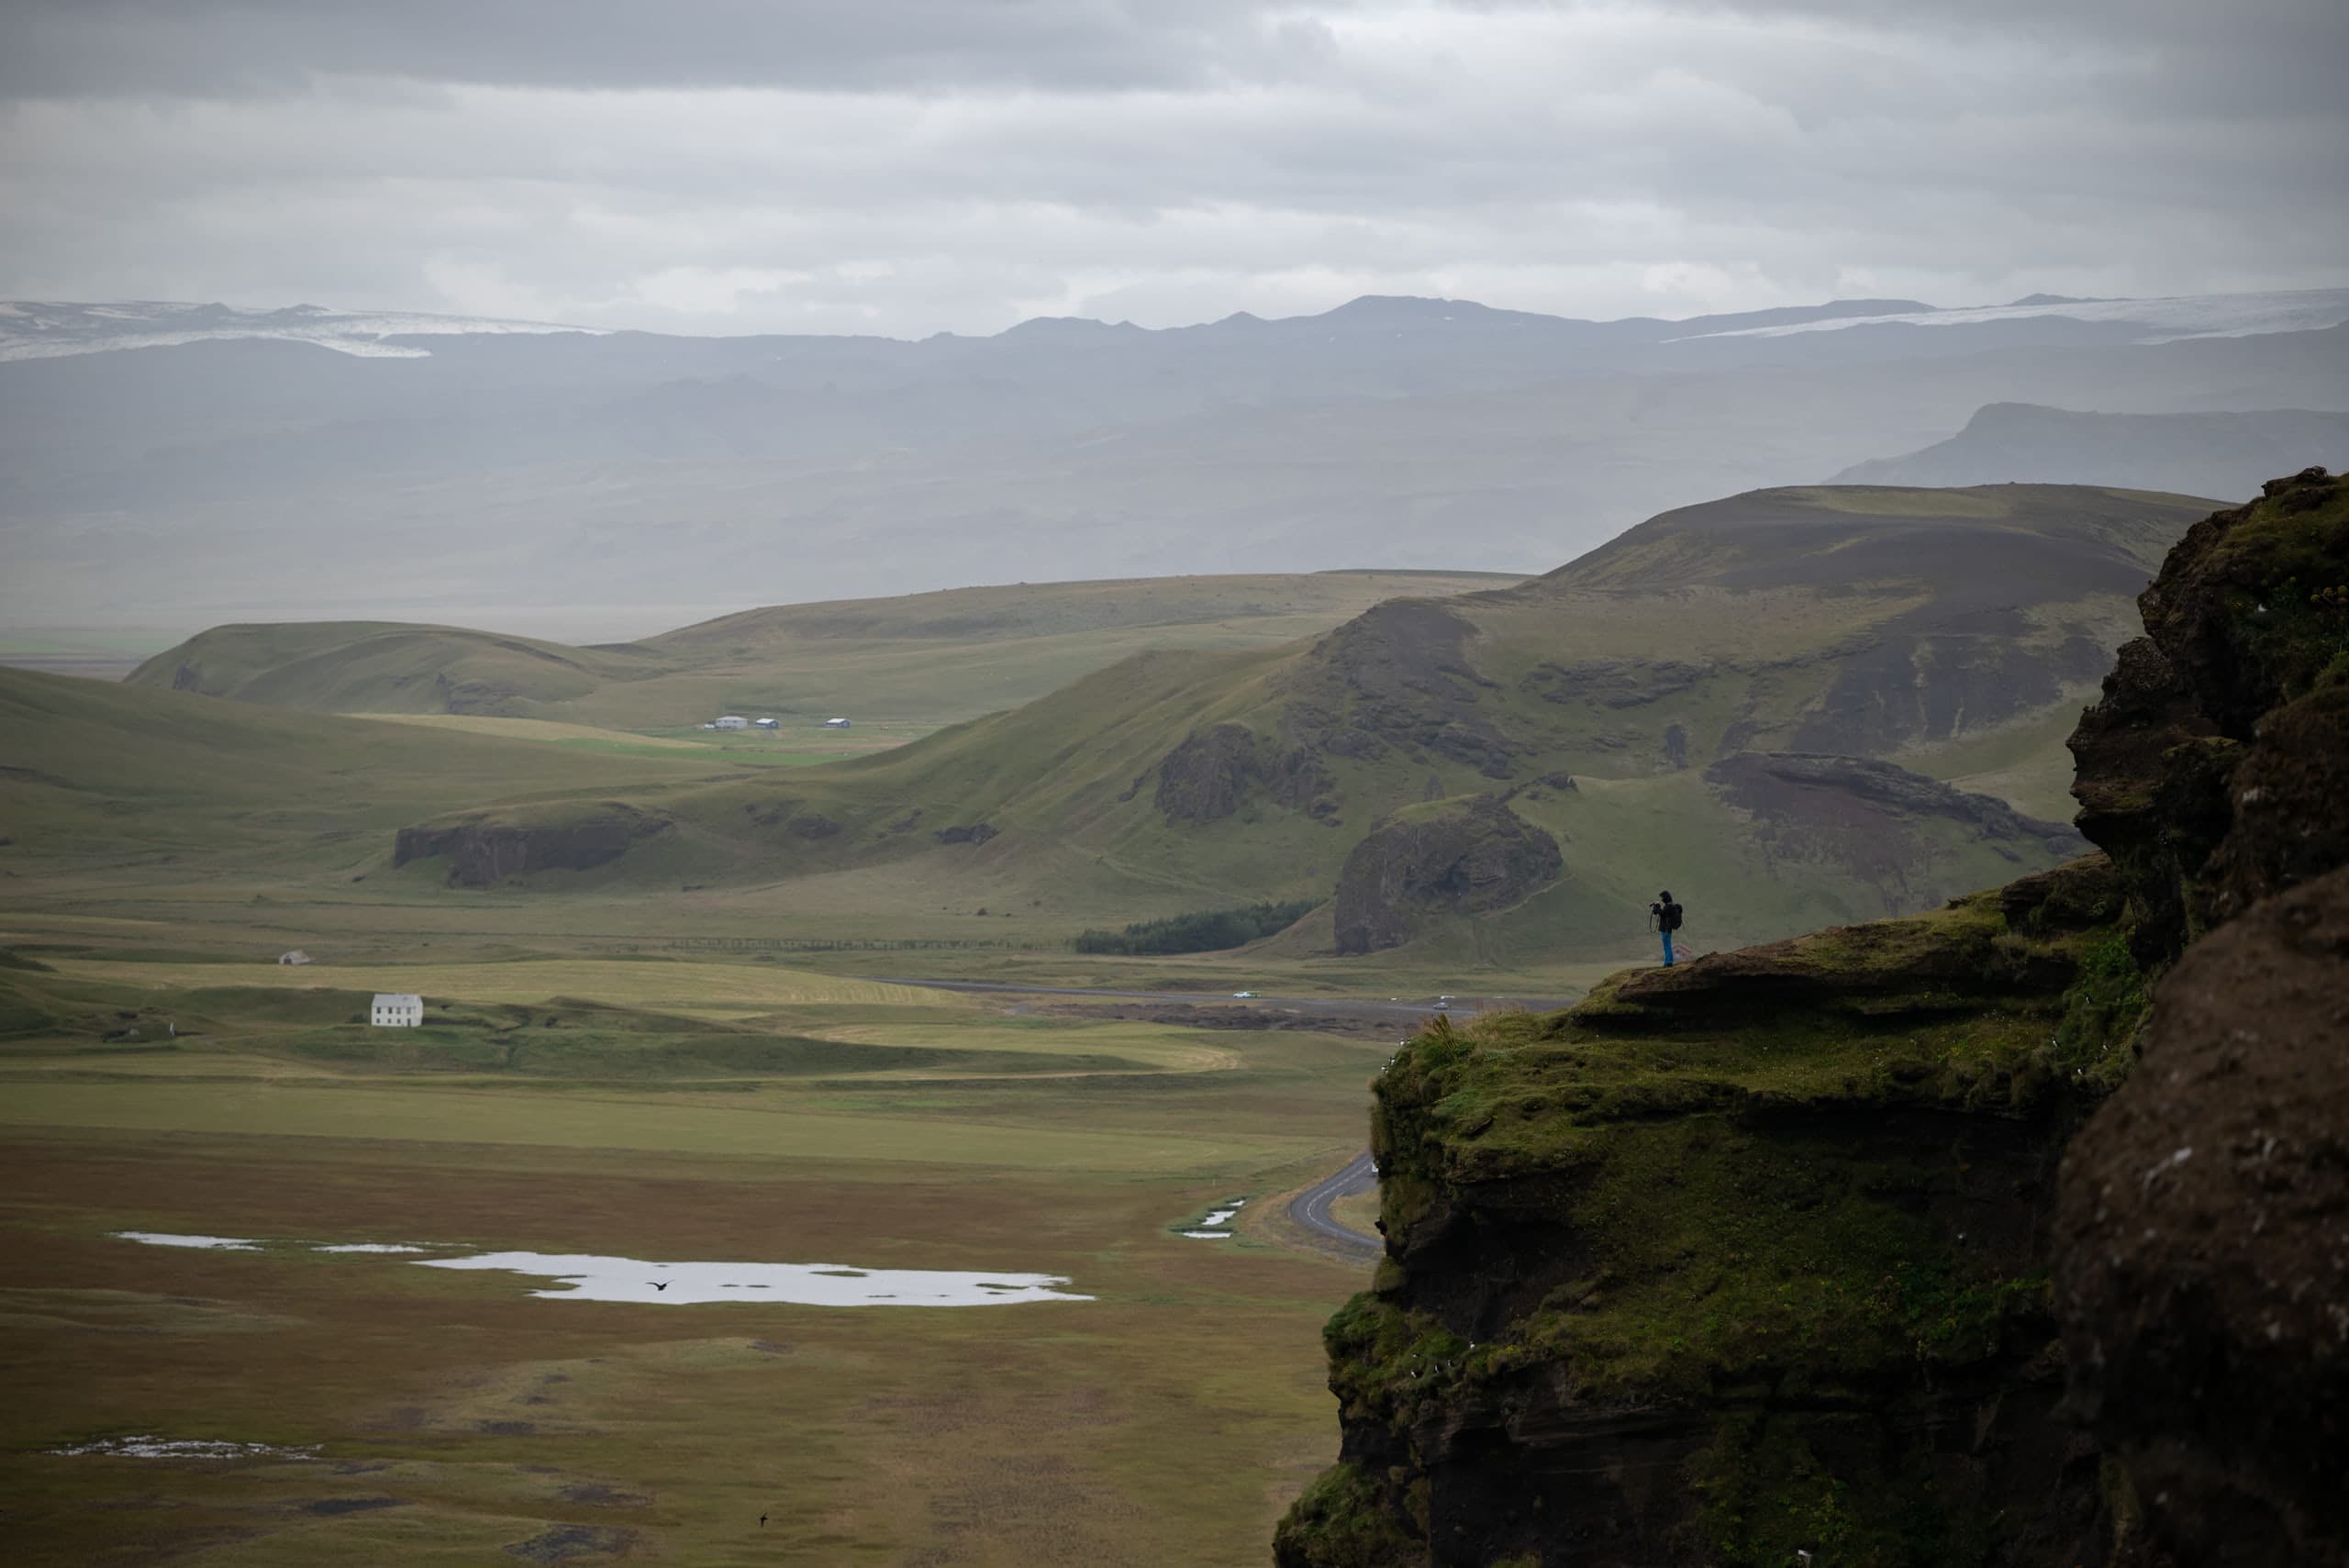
x: 1759, y: 1256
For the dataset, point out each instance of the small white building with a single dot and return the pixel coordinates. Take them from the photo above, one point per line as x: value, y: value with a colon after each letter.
x: 396, y: 1010
x: 836, y: 724
x: 296, y: 956
x: 733, y: 721
x: 766, y: 723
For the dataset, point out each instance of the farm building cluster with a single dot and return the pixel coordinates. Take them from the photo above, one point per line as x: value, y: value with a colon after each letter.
x: 736, y: 721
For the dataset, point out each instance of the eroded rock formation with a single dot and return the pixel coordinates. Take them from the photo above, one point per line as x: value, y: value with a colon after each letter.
x: 1462, y: 859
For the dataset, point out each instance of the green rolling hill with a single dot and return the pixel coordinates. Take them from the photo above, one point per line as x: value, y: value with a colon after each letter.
x: 1792, y: 706
x: 926, y: 659
x: 102, y: 776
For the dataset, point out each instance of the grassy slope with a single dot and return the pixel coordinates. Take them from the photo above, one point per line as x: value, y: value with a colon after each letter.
x: 2001, y: 584
x: 1745, y: 595
x: 100, y: 770
x: 925, y: 659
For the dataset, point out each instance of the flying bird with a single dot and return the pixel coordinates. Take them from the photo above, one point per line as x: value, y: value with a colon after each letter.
x: 658, y: 1284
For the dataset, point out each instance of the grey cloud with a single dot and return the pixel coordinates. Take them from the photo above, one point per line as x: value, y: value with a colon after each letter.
x: 957, y: 165
x: 231, y: 47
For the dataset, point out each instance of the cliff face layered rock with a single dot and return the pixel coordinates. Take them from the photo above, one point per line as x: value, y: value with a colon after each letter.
x: 2203, y: 1258
x: 1752, y: 1256
x: 1874, y: 818
x: 2203, y: 1270
x: 2211, y: 770
x: 1213, y: 771
x: 1464, y: 858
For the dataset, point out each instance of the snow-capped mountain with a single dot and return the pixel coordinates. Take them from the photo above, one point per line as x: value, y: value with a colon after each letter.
x: 38, y: 330
x: 2162, y: 320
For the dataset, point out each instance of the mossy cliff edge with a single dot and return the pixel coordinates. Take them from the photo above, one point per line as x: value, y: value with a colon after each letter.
x: 1752, y: 1257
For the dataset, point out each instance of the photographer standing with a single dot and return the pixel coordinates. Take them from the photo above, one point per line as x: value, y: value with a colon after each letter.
x: 1663, y: 915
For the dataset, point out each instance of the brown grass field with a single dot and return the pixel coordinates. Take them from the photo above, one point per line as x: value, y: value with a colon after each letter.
x: 457, y: 1419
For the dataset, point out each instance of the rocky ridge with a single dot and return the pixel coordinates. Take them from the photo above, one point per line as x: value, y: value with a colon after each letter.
x: 1802, y: 1249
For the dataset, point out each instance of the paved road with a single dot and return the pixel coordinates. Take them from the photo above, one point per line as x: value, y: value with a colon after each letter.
x: 1310, y: 1208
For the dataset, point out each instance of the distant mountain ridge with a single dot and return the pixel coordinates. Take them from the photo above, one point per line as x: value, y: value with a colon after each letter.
x: 490, y: 476
x: 2201, y: 453
x: 32, y: 329
x: 48, y: 328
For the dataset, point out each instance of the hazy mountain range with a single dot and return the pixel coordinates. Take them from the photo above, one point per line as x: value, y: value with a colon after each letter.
x: 220, y: 464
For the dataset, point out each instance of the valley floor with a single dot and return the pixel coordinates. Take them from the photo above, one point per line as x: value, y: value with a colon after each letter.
x: 164, y: 1074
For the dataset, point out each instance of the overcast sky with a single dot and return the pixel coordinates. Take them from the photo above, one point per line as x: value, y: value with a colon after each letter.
x: 907, y: 166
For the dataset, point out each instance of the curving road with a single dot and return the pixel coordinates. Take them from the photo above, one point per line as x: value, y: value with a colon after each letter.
x: 1310, y: 1208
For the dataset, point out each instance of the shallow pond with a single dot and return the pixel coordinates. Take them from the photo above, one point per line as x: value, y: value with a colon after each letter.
x: 211, y: 1243
x: 584, y: 1276
x: 1222, y: 1214
x: 588, y: 1276
x: 182, y: 1448
x: 370, y: 1247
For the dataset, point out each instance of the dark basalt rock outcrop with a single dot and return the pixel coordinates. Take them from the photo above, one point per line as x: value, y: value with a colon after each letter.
x: 2203, y: 1275
x: 1207, y: 776
x: 1613, y: 683
x: 2204, y: 1244
x: 1398, y: 677
x: 1213, y: 771
x: 1882, y: 784
x: 967, y: 833
x: 2211, y: 770
x: 483, y: 853
x: 1752, y: 1257
x: 1475, y: 856
x: 1872, y: 816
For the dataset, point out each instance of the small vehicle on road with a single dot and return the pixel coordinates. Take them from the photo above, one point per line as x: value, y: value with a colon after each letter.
x: 1243, y: 996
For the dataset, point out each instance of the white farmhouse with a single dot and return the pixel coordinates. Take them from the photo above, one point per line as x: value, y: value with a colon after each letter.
x: 767, y: 723
x: 398, y: 1011
x: 733, y: 721
x: 836, y: 724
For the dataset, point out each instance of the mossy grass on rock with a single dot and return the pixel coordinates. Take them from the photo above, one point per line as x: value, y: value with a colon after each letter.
x: 1736, y: 1258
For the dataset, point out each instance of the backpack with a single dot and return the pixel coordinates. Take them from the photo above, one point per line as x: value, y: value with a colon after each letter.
x: 1669, y: 917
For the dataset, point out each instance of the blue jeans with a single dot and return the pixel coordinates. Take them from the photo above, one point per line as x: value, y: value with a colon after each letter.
x: 1667, y: 949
